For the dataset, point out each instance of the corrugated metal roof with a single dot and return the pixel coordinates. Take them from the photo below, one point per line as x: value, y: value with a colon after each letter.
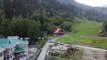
x: 22, y: 42
x: 57, y: 30
x: 4, y: 43
x: 11, y: 42
x: 15, y: 40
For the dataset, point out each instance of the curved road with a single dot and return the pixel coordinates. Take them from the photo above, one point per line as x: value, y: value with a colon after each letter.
x: 44, y: 50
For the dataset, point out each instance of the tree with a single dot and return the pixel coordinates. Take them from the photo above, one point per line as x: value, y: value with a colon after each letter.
x: 4, y: 28
x: 19, y: 27
x: 57, y: 21
x: 8, y: 9
x: 67, y: 26
x: 33, y: 28
x: 25, y: 27
x: 105, y: 26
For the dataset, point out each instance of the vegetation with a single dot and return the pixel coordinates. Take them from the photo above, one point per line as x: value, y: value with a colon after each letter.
x: 70, y: 54
x: 73, y: 54
x: 94, y: 42
x: 86, y: 28
x: 37, y: 18
x: 42, y: 42
x: 103, y: 32
x: 32, y: 18
x: 86, y: 33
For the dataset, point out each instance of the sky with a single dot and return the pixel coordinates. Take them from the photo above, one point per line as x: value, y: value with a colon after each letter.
x: 94, y: 3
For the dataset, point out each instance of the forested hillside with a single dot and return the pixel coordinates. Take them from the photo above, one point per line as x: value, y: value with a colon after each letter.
x: 92, y: 13
x: 33, y: 18
x: 57, y: 7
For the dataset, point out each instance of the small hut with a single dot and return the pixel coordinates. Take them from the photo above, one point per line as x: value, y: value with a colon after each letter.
x: 58, y: 32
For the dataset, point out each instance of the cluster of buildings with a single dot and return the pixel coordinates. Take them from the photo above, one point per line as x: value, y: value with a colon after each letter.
x: 13, y: 48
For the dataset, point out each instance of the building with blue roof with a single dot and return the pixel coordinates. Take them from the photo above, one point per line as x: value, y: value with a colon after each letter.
x: 13, y: 46
x: 4, y: 43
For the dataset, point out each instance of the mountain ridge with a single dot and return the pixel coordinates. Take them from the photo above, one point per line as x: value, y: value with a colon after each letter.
x: 57, y: 8
x: 95, y: 13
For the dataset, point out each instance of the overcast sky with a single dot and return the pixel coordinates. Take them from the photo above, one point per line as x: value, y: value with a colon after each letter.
x: 94, y: 3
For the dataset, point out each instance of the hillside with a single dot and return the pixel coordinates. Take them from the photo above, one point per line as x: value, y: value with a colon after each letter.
x: 86, y: 28
x: 31, y: 18
x: 34, y: 18
x: 54, y: 8
x: 92, y: 13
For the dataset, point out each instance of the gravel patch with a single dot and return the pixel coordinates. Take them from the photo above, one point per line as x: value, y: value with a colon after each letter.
x: 90, y: 53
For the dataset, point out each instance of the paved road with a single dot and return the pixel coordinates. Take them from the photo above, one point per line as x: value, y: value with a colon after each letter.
x: 44, y: 50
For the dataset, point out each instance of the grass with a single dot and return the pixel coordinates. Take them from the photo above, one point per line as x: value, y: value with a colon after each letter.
x: 85, y: 28
x: 95, y: 42
x: 42, y: 42
x: 58, y: 58
x: 74, y: 40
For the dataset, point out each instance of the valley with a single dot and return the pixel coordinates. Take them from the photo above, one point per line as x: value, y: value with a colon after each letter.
x: 86, y: 33
x: 53, y: 30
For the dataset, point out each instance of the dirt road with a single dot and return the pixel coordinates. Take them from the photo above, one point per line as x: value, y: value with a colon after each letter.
x: 90, y: 53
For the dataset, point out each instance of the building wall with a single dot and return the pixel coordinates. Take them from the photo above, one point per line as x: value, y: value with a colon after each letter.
x: 1, y: 58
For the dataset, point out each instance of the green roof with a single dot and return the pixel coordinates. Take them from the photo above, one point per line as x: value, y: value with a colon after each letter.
x: 18, y: 50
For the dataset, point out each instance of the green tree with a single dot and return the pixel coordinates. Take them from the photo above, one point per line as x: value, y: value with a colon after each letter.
x: 67, y: 26
x: 58, y: 21
x: 105, y: 26
x: 33, y: 28
x: 4, y: 28
x: 25, y: 27
x: 8, y: 9
x: 19, y: 26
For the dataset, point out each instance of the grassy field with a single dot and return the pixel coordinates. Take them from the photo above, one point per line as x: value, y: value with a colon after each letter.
x: 86, y: 28
x: 83, y: 34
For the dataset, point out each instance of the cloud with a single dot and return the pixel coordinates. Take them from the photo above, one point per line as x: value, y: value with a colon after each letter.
x: 93, y: 2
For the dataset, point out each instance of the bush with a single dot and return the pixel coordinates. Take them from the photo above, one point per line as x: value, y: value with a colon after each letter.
x: 73, y: 53
x: 55, y: 54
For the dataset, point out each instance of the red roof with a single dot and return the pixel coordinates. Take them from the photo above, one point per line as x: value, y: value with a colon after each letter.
x: 58, y: 30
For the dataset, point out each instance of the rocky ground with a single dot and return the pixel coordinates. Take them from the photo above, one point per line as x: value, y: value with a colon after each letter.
x: 90, y: 53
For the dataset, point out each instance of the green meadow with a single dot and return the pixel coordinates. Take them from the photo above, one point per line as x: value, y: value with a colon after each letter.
x: 86, y: 28
x: 85, y: 33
